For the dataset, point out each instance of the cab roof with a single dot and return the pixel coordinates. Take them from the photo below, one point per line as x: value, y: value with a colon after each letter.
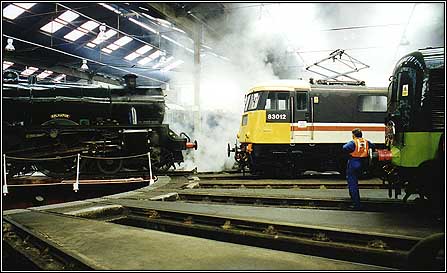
x: 281, y: 85
x: 291, y: 85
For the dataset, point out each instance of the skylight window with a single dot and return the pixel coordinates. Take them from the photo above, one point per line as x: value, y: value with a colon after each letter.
x: 119, y: 43
x: 52, y: 27
x: 172, y: 66
x: 29, y: 71
x: 123, y: 40
x: 7, y: 64
x: 106, y: 50
x: 11, y: 12
x: 68, y: 16
x: 25, y: 5
x: 145, y: 60
x: 59, y: 78
x: 44, y: 74
x: 150, y: 58
x: 132, y: 56
x: 14, y: 10
x: 60, y: 21
x: 138, y: 52
x: 81, y: 31
x: 113, y: 47
x: 155, y: 55
x: 143, y: 49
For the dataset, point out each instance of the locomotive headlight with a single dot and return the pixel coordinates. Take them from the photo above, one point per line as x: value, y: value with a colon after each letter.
x: 247, y: 135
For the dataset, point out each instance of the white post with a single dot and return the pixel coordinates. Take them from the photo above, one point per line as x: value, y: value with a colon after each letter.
x: 76, y: 184
x: 5, y: 186
x: 151, y: 180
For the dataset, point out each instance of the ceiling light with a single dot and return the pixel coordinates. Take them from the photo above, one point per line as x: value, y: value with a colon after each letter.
x: 143, y: 25
x: 110, y: 8
x: 7, y: 64
x: 9, y: 46
x: 179, y: 30
x: 84, y: 65
x: 109, y: 34
x: 102, y: 33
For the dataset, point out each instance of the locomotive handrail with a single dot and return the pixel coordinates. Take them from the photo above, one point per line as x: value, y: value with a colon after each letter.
x: 40, y: 159
x: 78, y: 159
x: 70, y: 156
x: 114, y: 158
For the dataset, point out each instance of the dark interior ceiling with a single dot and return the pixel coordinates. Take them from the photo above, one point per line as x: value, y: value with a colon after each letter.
x: 169, y: 28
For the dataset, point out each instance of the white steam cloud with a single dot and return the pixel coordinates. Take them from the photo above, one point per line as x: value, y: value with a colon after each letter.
x: 270, y: 41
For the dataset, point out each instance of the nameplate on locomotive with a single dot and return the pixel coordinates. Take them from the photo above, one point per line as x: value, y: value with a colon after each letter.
x: 53, y: 116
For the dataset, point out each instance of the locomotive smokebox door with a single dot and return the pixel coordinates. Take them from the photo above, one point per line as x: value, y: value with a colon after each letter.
x: 136, y: 140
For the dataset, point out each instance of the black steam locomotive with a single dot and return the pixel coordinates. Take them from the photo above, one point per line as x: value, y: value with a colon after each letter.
x: 46, y: 127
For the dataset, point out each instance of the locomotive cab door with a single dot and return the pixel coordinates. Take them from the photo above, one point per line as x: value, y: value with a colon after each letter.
x: 302, y: 120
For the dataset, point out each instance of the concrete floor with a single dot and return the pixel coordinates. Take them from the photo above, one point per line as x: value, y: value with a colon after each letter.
x: 109, y: 246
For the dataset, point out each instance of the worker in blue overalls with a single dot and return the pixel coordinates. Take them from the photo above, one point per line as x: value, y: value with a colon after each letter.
x: 358, y: 148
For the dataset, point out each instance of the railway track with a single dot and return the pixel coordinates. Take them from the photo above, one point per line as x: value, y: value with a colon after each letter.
x: 281, y: 184
x: 349, y: 245
x: 25, y: 249
x: 370, y: 205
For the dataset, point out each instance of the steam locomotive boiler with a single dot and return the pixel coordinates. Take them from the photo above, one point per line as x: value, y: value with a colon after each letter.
x: 46, y: 127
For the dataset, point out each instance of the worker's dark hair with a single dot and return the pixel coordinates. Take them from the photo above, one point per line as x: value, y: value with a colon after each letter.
x: 357, y: 132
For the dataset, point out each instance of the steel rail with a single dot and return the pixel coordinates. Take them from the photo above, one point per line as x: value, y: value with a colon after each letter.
x: 370, y: 248
x: 37, y: 250
x: 369, y: 205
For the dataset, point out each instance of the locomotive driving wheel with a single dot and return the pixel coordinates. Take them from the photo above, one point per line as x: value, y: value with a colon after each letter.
x: 109, y: 166
x: 162, y: 160
x: 62, y: 168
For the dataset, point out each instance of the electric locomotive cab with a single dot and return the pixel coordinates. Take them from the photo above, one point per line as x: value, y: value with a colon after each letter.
x: 289, y: 126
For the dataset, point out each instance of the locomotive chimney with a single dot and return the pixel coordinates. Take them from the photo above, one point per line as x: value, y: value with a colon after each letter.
x: 130, y: 80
